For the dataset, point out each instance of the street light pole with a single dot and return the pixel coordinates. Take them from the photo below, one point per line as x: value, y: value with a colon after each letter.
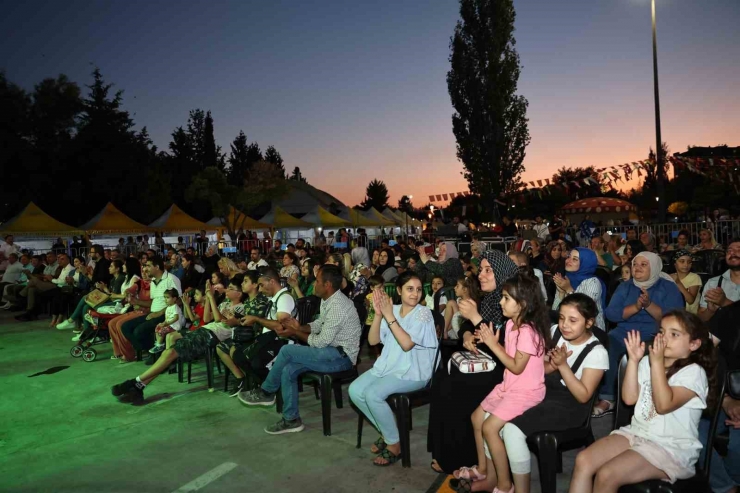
x: 659, y: 159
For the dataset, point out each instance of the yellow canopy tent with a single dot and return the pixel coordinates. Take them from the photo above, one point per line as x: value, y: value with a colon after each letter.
x: 239, y: 220
x: 278, y: 218
x: 112, y: 220
x: 356, y: 219
x: 175, y: 220
x: 380, y: 219
x: 393, y: 216
x: 32, y: 221
x: 321, y: 218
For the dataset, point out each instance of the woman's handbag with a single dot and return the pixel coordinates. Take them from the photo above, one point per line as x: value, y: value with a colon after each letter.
x: 468, y: 362
x: 96, y: 297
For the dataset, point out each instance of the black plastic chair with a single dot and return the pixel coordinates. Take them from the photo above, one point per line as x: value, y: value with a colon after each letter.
x: 402, y: 405
x: 307, y: 308
x: 324, y: 383
x: 699, y: 483
x: 209, y: 358
x: 549, y: 446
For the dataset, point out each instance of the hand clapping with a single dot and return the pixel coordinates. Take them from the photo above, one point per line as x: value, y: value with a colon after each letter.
x: 635, y: 348
x: 559, y: 355
x: 488, y: 335
x: 657, y: 350
x: 644, y: 300
x: 382, y: 303
x: 468, y: 309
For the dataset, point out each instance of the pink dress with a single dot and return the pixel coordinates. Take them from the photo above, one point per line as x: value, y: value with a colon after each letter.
x: 517, y: 393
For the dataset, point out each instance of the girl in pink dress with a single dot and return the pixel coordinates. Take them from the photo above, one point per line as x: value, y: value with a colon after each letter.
x: 523, y: 387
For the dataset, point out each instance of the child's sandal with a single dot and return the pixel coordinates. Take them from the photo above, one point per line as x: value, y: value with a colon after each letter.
x: 389, y: 456
x: 469, y: 473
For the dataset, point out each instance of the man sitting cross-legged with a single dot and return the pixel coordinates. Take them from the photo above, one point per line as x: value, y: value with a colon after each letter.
x: 188, y: 345
x: 333, y: 343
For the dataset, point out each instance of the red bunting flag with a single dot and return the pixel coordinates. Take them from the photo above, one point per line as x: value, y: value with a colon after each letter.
x: 444, y: 197
x: 431, y: 198
x: 439, y: 198
x: 539, y: 182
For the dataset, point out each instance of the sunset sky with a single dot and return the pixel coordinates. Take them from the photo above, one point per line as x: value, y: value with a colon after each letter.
x: 351, y: 91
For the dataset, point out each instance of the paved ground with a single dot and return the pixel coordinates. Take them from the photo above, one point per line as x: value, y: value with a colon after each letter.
x: 63, y: 431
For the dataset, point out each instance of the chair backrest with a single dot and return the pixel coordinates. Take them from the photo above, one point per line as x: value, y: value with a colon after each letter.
x: 307, y: 307
x: 623, y: 411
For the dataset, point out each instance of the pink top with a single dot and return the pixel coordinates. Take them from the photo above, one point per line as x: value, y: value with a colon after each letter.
x: 517, y: 393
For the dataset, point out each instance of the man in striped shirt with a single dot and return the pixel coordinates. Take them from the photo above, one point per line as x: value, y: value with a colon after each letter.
x: 333, y: 343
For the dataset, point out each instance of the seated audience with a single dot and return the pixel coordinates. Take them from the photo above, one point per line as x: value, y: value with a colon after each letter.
x: 191, y: 277
x: 580, y: 267
x: 290, y: 265
x: 447, y: 265
x: 430, y: 300
x: 386, y: 267
x: 409, y: 349
x: 195, y: 314
x: 637, y: 305
x: 174, y: 320
x: 466, y: 288
x: 228, y: 268
x: 45, y: 287
x: 707, y: 241
x: 554, y: 261
x: 521, y: 260
x: 689, y: 283
x: 304, y: 285
x: 682, y: 241
x: 332, y: 346
x: 722, y: 291
x: 669, y: 390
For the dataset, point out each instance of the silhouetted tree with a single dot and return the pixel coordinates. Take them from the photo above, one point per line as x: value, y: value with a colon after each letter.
x: 238, y: 160
x: 376, y: 195
x: 490, y: 122
x: 212, y: 155
x: 297, y: 176
x: 274, y: 157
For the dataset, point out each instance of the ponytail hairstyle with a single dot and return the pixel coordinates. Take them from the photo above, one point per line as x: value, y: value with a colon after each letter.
x: 585, y: 305
x: 525, y: 290
x: 705, y: 356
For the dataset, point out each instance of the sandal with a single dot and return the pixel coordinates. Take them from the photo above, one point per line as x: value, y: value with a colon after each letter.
x: 469, y: 473
x: 436, y: 469
x: 116, y: 357
x: 389, y: 456
x: 599, y: 412
x: 379, y: 445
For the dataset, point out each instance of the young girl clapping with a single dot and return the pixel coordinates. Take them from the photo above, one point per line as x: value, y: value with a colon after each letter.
x: 669, y: 390
x: 523, y: 387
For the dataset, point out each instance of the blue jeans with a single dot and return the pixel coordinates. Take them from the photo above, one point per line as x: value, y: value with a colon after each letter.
x: 79, y: 311
x: 369, y: 393
x: 617, y: 349
x: 724, y: 472
x: 291, y: 362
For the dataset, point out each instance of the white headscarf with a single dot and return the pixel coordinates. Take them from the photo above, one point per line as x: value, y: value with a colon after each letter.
x: 656, y: 270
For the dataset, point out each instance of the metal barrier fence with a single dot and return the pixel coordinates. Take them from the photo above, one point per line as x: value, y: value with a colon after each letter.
x: 724, y: 231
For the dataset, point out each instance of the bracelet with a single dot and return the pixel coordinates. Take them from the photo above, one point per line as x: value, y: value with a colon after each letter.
x: 391, y: 323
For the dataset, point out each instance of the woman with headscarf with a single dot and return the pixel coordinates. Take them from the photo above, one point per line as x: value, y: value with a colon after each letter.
x: 447, y: 266
x: 580, y: 269
x: 456, y: 395
x: 386, y: 265
x: 637, y: 305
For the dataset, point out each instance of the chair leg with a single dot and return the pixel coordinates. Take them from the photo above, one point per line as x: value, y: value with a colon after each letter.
x: 226, y: 381
x: 560, y: 463
x: 209, y: 370
x: 316, y: 390
x: 547, y: 459
x: 403, y: 409
x: 218, y: 361
x: 190, y: 370
x: 179, y: 369
x: 411, y: 420
x: 360, y: 420
x: 338, y: 394
x: 326, y: 386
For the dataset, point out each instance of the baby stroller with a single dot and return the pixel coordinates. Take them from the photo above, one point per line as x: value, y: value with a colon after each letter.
x: 97, y: 334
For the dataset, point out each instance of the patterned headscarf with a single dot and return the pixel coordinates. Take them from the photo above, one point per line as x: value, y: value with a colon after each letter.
x: 681, y: 253
x: 503, y: 269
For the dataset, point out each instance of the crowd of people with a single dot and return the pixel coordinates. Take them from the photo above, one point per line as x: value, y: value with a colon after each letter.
x: 553, y: 316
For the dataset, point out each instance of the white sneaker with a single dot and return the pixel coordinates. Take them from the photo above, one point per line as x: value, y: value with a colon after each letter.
x: 89, y: 318
x: 6, y: 306
x: 67, y: 324
x: 76, y: 338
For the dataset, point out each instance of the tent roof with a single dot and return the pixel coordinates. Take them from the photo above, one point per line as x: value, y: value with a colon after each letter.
x: 175, y: 219
x: 320, y: 217
x: 356, y: 218
x: 240, y: 221
x: 596, y: 205
x: 278, y: 218
x: 394, y: 216
x: 379, y: 218
x: 303, y: 199
x: 33, y: 221
x: 112, y: 220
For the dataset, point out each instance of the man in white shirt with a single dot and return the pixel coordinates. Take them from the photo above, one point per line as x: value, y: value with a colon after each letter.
x: 722, y: 291
x: 255, y: 262
x: 140, y: 330
x: 461, y: 228
x: 14, y: 270
x: 43, y: 286
x: 540, y: 228
x: 6, y: 248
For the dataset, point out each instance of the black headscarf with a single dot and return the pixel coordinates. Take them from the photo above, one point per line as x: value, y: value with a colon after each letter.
x: 391, y: 261
x: 503, y: 269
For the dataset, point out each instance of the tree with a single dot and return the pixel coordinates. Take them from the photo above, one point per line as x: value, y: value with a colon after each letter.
x: 651, y: 173
x: 489, y: 123
x: 16, y: 148
x: 263, y: 182
x: 376, y: 195
x: 212, y: 155
x: 238, y: 160
x: 565, y: 177
x: 274, y: 157
x: 297, y: 176
x: 404, y: 204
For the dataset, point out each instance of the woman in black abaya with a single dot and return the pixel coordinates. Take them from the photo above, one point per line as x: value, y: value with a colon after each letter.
x: 456, y: 395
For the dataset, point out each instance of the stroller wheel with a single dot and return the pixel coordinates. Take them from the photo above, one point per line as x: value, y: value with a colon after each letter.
x: 89, y: 355
x: 76, y: 351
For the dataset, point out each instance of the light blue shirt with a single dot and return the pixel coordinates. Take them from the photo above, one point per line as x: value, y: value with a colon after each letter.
x: 415, y: 364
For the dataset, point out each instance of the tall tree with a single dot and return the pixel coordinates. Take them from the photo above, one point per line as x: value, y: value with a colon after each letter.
x: 197, y: 131
x: 238, y: 160
x: 376, y: 195
x: 15, y: 148
x: 490, y: 122
x: 297, y: 176
x: 651, y: 173
x: 274, y: 157
x: 212, y: 155
x: 404, y: 204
